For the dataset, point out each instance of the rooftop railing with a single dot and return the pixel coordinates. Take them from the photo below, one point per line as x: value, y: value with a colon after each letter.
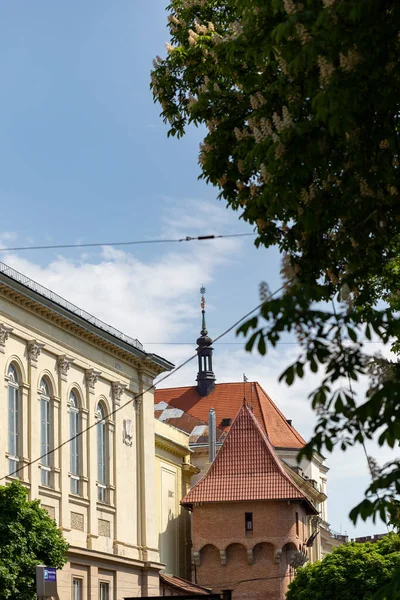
x: 72, y: 308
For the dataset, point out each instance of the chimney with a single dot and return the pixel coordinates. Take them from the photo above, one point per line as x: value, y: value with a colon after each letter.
x: 212, y: 435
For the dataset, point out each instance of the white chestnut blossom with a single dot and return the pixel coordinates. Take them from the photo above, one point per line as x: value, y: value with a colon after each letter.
x: 169, y: 48
x: 326, y: 70
x: 193, y: 37
x: 282, y: 123
x: 350, y: 61
x: 303, y: 33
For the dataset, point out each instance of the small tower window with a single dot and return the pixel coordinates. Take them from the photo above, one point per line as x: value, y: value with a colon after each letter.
x: 248, y: 522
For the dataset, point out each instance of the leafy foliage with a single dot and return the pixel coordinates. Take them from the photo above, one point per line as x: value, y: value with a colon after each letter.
x: 352, y: 571
x: 301, y: 103
x: 28, y: 537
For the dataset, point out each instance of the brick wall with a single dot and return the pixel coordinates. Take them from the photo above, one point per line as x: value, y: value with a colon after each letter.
x: 225, y: 554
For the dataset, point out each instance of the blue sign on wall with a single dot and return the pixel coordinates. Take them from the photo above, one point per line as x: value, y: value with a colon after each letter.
x: 50, y: 574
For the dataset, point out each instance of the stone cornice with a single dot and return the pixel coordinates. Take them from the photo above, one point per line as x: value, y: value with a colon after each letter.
x: 171, y: 446
x: 95, y: 555
x: 306, y: 486
x: 69, y: 325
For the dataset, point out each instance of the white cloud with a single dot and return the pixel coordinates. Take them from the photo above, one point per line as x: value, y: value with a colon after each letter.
x: 152, y: 299
x: 147, y: 299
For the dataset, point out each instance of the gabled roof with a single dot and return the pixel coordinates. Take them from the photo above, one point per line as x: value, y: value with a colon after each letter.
x: 226, y: 399
x: 245, y: 469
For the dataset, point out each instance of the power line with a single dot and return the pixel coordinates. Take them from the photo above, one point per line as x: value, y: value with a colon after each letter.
x: 188, y: 238
x: 237, y: 343
x: 137, y: 396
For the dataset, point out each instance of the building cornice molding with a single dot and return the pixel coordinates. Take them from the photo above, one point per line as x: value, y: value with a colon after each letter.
x: 306, y: 486
x: 171, y: 446
x: 153, y: 364
x: 106, y: 558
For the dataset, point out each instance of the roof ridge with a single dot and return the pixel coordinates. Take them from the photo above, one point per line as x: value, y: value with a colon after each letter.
x: 269, y: 482
x: 273, y: 453
x: 280, y: 413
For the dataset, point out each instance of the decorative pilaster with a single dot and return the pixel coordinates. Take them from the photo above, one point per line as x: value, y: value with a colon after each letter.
x: 64, y: 363
x: 5, y: 331
x: 138, y: 403
x: 34, y: 350
x: 91, y: 376
x: 222, y: 554
x: 117, y: 389
x: 250, y: 559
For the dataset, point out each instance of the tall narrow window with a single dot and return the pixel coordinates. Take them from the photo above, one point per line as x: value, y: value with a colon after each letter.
x: 297, y: 524
x: 14, y: 423
x: 76, y: 589
x: 46, y: 433
x: 75, y: 444
x: 104, y: 591
x: 102, y: 454
x: 248, y: 522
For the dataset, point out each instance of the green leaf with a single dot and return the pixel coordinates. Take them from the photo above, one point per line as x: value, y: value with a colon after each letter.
x: 352, y: 334
x: 288, y: 375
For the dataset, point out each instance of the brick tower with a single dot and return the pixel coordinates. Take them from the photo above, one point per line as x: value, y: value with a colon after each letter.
x: 249, y: 522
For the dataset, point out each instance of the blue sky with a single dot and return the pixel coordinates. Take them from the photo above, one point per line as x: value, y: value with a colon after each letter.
x: 85, y: 157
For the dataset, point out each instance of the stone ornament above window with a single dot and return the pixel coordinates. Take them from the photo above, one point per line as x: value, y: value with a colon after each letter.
x: 64, y: 363
x: 34, y: 350
x: 5, y: 331
x: 127, y: 436
x: 117, y: 388
x: 92, y: 377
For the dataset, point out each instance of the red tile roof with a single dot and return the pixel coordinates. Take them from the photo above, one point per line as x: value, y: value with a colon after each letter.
x: 226, y: 399
x: 183, y: 585
x: 246, y: 468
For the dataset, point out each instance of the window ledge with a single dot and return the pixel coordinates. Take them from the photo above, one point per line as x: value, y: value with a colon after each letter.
x: 106, y: 508
x: 49, y: 492
x: 76, y: 499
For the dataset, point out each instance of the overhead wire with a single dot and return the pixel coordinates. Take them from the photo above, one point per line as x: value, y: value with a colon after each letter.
x: 136, y: 396
x: 188, y: 238
x: 239, y: 343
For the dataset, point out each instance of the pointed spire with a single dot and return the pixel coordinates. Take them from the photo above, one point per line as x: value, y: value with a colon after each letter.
x: 205, y: 375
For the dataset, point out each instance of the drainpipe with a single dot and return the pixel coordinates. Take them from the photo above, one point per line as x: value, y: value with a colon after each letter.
x: 212, y: 436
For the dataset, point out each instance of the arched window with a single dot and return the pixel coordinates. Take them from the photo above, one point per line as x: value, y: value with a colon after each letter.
x: 75, y: 444
x: 14, y: 420
x: 46, y: 433
x: 102, y: 453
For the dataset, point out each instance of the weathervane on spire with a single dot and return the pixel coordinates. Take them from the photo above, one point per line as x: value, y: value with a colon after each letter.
x: 203, y: 310
x: 202, y: 292
x: 205, y: 376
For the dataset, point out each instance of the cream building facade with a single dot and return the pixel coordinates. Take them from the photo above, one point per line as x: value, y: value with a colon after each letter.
x: 66, y: 373
x: 173, y: 479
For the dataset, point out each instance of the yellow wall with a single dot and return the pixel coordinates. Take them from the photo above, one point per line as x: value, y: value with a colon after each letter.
x: 115, y: 541
x: 173, y: 474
